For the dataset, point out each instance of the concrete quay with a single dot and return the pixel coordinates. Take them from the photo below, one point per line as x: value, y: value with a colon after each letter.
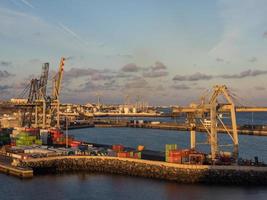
x: 233, y: 175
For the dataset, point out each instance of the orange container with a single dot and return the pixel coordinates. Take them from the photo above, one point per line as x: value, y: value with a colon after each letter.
x: 123, y: 154
x: 177, y: 159
x: 175, y: 153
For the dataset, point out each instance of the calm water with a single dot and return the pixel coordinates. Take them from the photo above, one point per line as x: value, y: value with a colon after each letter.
x: 96, y: 186
x: 99, y: 186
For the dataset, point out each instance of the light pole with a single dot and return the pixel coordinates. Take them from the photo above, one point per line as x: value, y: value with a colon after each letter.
x: 67, y: 132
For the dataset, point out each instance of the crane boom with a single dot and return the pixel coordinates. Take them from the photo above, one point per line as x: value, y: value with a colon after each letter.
x: 43, y: 81
x: 58, y: 80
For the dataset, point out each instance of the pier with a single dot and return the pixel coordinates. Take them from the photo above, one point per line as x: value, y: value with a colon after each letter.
x: 238, y: 175
x: 6, y: 167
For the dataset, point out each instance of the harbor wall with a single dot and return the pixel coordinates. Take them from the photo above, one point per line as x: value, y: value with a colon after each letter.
x: 234, y: 175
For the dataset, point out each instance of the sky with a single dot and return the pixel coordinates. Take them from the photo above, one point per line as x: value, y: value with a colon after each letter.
x: 163, y: 52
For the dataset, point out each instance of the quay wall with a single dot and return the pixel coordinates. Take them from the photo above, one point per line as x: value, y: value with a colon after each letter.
x: 234, y: 175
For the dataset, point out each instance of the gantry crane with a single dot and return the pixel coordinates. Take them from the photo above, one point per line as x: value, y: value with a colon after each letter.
x: 57, y: 81
x: 47, y: 107
x: 197, y: 116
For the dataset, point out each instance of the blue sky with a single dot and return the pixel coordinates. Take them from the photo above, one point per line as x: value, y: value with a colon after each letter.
x: 168, y: 52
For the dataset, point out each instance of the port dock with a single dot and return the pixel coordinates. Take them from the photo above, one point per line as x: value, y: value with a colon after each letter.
x: 16, y: 171
x: 238, y: 175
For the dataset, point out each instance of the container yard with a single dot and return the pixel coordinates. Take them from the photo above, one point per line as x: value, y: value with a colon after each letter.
x: 28, y: 148
x: 35, y: 133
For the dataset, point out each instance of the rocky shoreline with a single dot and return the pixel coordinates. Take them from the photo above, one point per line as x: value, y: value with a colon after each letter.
x: 233, y: 175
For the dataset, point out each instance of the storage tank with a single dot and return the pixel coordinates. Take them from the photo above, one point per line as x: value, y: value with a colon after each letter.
x: 126, y: 110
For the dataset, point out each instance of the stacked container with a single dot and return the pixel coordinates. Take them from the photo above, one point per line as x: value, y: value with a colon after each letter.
x: 26, y: 139
x: 123, y: 154
x: 168, y: 148
x: 131, y: 154
x: 118, y: 147
x: 175, y: 156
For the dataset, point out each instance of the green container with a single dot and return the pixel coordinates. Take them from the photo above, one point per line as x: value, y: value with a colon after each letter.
x: 23, y: 134
x: 38, y: 142
x: 32, y: 138
x: 22, y: 137
x: 18, y: 143
x: 139, y: 155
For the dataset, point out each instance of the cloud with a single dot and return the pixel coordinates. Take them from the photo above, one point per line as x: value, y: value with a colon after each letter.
x: 253, y: 59
x: 264, y: 35
x: 5, y: 74
x: 181, y: 87
x: 93, y: 74
x: 200, y: 76
x: 244, y: 74
x: 100, y: 76
x: 6, y: 63
x: 158, y: 66
x: 93, y: 86
x: 79, y: 72
x: 123, y: 75
x: 155, y: 74
x: 131, y: 67
x: 137, y: 83
x: 4, y: 88
x: 194, y: 77
x: 259, y: 88
x: 219, y: 60
x: 125, y: 55
x: 155, y: 71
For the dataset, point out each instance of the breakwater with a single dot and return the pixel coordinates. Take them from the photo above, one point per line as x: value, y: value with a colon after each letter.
x: 178, y: 127
x: 237, y: 175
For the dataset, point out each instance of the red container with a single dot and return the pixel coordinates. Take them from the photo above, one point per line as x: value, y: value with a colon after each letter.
x: 136, y: 156
x: 175, y: 153
x: 35, y: 130
x: 74, y: 145
x: 76, y: 142
x: 118, y: 147
x: 123, y: 154
x: 177, y: 159
x: 70, y: 141
x: 55, y: 132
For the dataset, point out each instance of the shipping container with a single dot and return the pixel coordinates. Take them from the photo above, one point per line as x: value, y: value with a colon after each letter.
x: 168, y: 148
x: 118, y: 147
x: 123, y: 154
